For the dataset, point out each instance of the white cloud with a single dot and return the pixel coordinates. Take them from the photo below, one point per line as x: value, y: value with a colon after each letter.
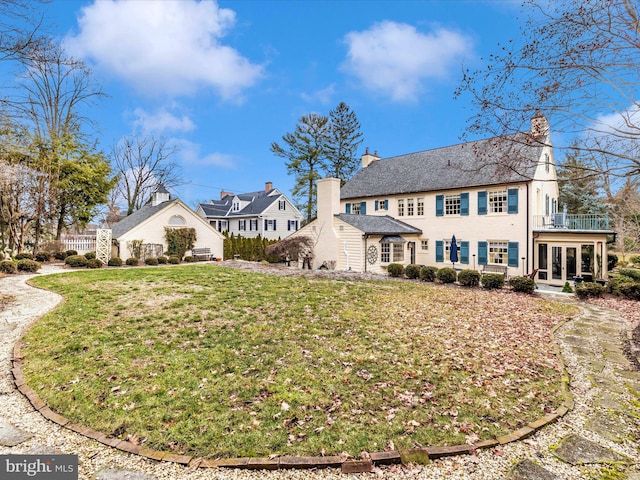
x: 191, y: 153
x: 396, y: 60
x: 161, y: 121
x: 324, y: 95
x: 164, y: 47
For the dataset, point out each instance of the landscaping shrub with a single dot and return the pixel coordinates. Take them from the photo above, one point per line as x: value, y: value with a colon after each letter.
x: 132, y: 261
x: 60, y: 255
x: 42, y: 257
x: 115, y: 262
x: 24, y: 255
x: 635, y: 259
x: 446, y: 275
x: 616, y: 281
x: 26, y: 265
x: 469, y: 278
x: 612, y: 261
x: 522, y: 284
x: 162, y: 260
x: 589, y: 289
x: 68, y: 253
x: 492, y: 281
x: 428, y: 274
x: 566, y: 288
x: 633, y: 273
x: 395, y: 270
x: 173, y: 259
x: 412, y: 271
x: 94, y: 263
x: 76, y: 261
x: 151, y: 261
x: 8, y: 266
x: 90, y: 255
x: 630, y: 290
x: 189, y: 258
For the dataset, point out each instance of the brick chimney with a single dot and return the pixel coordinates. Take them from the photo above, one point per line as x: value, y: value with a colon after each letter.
x: 268, y: 186
x: 368, y: 159
x: 224, y: 194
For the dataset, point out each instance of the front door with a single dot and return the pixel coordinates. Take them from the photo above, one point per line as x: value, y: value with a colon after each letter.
x: 564, y: 263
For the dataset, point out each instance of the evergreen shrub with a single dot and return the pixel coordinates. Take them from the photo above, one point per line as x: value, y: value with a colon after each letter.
x: 162, y: 260
x: 412, y: 271
x: 26, y: 265
x: 94, y: 263
x: 428, y: 273
x: 151, y: 261
x: 43, y: 257
x: 24, y: 255
x: 8, y: 266
x: 589, y: 289
x: 132, y: 261
x: 492, y: 281
x: 115, y: 262
x: 446, y: 275
x: 76, y: 261
x: 90, y: 255
x: 173, y: 259
x: 395, y: 269
x: 469, y: 278
x: 522, y: 284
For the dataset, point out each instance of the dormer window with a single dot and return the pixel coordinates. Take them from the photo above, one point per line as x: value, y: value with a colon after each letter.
x: 236, y: 206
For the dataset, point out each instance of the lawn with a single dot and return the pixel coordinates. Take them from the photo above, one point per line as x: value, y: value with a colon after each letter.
x: 214, y: 362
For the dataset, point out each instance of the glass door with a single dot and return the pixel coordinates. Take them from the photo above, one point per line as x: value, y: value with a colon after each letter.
x: 556, y: 263
x: 572, y: 263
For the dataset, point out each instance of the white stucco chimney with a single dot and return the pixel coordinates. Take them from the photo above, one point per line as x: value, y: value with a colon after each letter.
x: 368, y: 159
x: 539, y: 126
x: 328, y: 199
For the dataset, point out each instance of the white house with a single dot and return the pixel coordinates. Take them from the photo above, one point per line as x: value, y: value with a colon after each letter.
x: 267, y: 213
x: 407, y: 209
x: 149, y: 225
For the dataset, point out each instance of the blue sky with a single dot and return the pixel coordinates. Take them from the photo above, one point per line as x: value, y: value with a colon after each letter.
x: 222, y: 80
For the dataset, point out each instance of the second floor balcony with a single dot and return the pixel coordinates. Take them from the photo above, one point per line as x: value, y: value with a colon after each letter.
x: 568, y: 221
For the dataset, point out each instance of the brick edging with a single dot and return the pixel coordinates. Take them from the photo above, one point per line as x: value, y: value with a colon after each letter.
x: 418, y: 455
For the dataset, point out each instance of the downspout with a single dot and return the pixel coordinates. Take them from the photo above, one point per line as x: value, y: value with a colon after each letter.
x: 365, y: 236
x: 528, y: 225
x: 344, y: 245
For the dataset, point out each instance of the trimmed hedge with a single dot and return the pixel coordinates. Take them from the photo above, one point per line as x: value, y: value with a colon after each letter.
x: 630, y: 291
x: 24, y: 255
x: 492, y: 281
x: 469, y: 278
x: 90, y: 255
x: 190, y: 259
x: 162, y: 260
x: 69, y: 253
x: 522, y: 284
x: 151, y: 261
x: 446, y: 275
x: 94, y: 263
x: 412, y: 271
x: 8, y: 266
x: 395, y: 269
x: 633, y: 273
x: 589, y: 289
x: 174, y: 260
x: 76, y: 261
x: 26, y: 265
x: 115, y: 262
x: 428, y: 273
x: 132, y: 261
x: 43, y: 257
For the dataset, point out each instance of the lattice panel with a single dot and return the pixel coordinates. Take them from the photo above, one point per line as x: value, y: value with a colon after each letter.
x: 103, y: 245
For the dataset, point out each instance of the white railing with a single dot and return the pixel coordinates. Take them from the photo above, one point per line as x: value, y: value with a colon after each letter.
x: 81, y: 243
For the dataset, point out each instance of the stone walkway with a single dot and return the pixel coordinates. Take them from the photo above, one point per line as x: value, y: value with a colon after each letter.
x: 598, y: 438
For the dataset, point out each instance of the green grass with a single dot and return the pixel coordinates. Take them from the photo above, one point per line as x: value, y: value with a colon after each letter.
x: 212, y: 361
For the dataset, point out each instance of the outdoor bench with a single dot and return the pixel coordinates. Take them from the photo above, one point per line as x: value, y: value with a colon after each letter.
x: 495, y: 269
x: 203, y: 253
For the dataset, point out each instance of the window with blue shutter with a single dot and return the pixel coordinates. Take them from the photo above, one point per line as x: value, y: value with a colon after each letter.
x: 482, y: 203
x: 513, y: 255
x: 375, y: 205
x: 482, y: 253
x: 347, y: 208
x: 464, y: 204
x: 439, y: 251
x: 464, y: 252
x: 439, y: 205
x: 363, y: 208
x: 386, y: 204
x: 512, y: 200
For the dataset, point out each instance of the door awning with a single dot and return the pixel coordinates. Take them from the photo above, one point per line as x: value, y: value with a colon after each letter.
x: 392, y: 239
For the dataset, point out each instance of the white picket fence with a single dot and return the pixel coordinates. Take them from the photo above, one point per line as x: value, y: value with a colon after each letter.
x: 81, y: 243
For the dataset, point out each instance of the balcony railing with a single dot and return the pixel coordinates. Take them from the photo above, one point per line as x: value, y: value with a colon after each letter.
x: 571, y: 222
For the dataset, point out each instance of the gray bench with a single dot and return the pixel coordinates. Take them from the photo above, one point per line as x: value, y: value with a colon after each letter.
x: 203, y: 253
x: 495, y: 269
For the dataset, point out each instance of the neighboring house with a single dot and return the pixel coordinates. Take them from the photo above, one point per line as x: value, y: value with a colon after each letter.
x: 267, y: 213
x: 406, y: 209
x: 148, y: 224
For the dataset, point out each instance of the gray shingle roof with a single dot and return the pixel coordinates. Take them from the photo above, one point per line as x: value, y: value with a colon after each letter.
x: 472, y: 164
x: 259, y: 202
x: 136, y: 218
x: 378, y: 225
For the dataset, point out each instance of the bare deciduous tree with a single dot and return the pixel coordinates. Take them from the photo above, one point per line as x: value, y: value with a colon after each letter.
x: 142, y: 163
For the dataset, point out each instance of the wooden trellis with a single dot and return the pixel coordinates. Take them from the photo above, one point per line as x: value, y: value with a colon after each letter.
x: 103, y: 245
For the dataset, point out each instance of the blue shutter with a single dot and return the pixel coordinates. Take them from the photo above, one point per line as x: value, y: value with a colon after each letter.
x: 439, y: 251
x: 266, y: 225
x: 482, y: 253
x: 464, y: 252
x: 386, y: 204
x: 375, y: 206
x: 512, y: 200
x: 439, y: 205
x: 464, y: 204
x: 513, y: 254
x: 482, y: 203
x: 347, y: 208
x: 363, y: 208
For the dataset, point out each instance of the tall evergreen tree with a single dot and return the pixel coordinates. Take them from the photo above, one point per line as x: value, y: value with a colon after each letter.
x: 579, y: 187
x: 306, y: 153
x: 345, y: 138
